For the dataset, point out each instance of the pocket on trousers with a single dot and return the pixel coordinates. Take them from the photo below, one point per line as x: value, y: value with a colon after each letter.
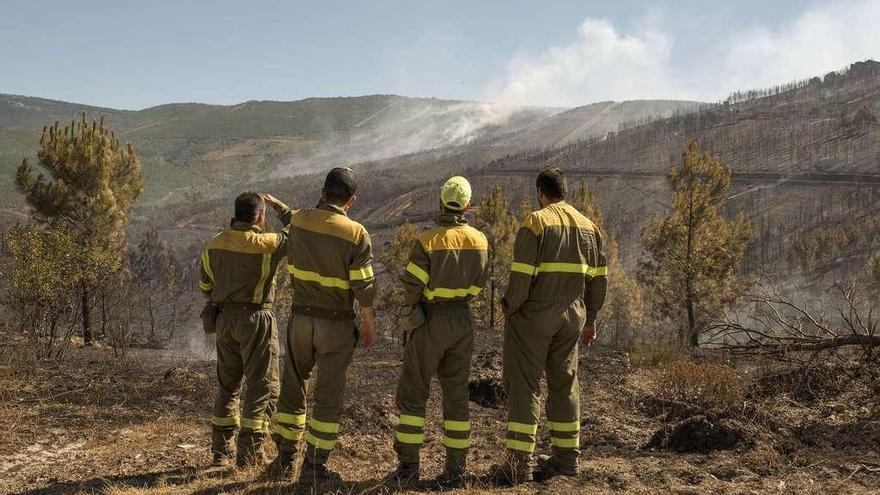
x: 209, y: 317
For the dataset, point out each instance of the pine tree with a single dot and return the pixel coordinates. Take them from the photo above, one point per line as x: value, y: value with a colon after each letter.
x: 624, y: 308
x: 91, y: 185
x: 694, y: 253
x: 494, y: 218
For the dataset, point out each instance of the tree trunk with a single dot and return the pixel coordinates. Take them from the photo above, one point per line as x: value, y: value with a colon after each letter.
x: 103, y: 315
x: 693, y: 338
x: 86, y: 316
x: 492, y: 287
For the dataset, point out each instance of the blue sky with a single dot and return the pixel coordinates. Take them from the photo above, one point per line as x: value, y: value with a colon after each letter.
x: 138, y: 54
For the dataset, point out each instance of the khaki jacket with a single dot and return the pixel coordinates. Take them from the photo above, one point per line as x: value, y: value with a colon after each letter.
x: 558, y: 256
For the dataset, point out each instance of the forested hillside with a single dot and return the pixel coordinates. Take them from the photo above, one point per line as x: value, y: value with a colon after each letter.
x: 193, y: 151
x: 823, y: 129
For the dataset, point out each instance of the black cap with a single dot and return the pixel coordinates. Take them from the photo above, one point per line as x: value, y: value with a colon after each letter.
x: 340, y: 184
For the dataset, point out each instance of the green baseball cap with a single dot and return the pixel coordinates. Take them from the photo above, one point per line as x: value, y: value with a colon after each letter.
x: 456, y: 193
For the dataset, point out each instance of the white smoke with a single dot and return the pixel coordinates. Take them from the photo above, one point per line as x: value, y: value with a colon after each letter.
x: 602, y: 63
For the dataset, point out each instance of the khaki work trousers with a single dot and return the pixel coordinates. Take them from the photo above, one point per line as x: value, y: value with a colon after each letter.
x: 325, y: 346
x: 247, y: 353
x: 542, y: 338
x: 442, y: 346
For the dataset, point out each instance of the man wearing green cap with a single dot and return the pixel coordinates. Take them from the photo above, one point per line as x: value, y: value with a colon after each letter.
x: 446, y: 269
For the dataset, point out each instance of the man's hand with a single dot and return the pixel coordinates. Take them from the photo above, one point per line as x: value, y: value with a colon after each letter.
x: 273, y: 201
x: 588, y: 334
x: 367, y: 327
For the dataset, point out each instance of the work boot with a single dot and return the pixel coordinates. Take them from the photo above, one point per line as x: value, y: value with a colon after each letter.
x: 282, y: 466
x: 222, y: 447
x: 511, y: 473
x: 549, y: 466
x: 315, y: 475
x: 250, y: 449
x: 406, y: 474
x: 453, y: 475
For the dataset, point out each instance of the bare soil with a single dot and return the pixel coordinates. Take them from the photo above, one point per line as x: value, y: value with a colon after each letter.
x: 90, y: 424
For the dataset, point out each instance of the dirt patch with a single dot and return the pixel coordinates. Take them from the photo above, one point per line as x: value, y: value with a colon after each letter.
x: 699, y: 435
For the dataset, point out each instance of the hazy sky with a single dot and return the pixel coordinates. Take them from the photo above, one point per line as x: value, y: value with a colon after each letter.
x: 138, y: 54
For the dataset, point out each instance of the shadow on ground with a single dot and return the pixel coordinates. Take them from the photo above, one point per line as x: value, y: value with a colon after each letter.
x: 181, y: 476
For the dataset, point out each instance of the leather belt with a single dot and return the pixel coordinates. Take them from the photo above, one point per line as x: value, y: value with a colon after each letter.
x: 324, y: 313
x: 231, y: 306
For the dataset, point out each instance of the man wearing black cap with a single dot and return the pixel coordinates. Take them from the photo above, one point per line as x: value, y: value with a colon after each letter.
x: 330, y: 264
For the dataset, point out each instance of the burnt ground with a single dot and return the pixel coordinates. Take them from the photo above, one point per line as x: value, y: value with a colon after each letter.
x: 93, y: 425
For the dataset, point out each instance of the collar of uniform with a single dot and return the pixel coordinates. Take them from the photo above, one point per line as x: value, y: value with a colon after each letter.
x: 560, y: 204
x: 323, y: 205
x: 245, y: 226
x: 451, y: 219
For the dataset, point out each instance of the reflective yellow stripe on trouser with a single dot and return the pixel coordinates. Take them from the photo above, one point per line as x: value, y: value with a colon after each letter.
x: 223, y: 422
x: 322, y: 434
x: 521, y: 437
x: 255, y: 424
x: 410, y: 430
x: 457, y: 434
x: 565, y: 435
x: 290, y: 426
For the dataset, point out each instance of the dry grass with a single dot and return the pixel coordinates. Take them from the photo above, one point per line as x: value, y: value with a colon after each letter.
x: 90, y: 425
x: 703, y: 384
x: 649, y: 356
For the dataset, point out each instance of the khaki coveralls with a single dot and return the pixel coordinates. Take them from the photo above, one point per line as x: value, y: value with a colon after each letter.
x: 557, y: 284
x: 238, y: 270
x: 446, y: 269
x: 330, y: 264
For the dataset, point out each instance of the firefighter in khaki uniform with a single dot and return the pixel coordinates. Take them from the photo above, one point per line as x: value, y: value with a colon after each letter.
x: 446, y: 269
x: 238, y: 275
x: 557, y: 286
x: 330, y: 263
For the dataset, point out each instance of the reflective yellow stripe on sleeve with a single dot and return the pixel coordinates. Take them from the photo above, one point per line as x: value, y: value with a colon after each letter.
x: 601, y: 271
x: 417, y: 272
x: 525, y: 268
x: 549, y: 267
x: 450, y: 293
x: 206, y: 286
x: 361, y: 274
x: 265, y: 268
x: 308, y: 276
x: 564, y: 268
x: 206, y: 264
